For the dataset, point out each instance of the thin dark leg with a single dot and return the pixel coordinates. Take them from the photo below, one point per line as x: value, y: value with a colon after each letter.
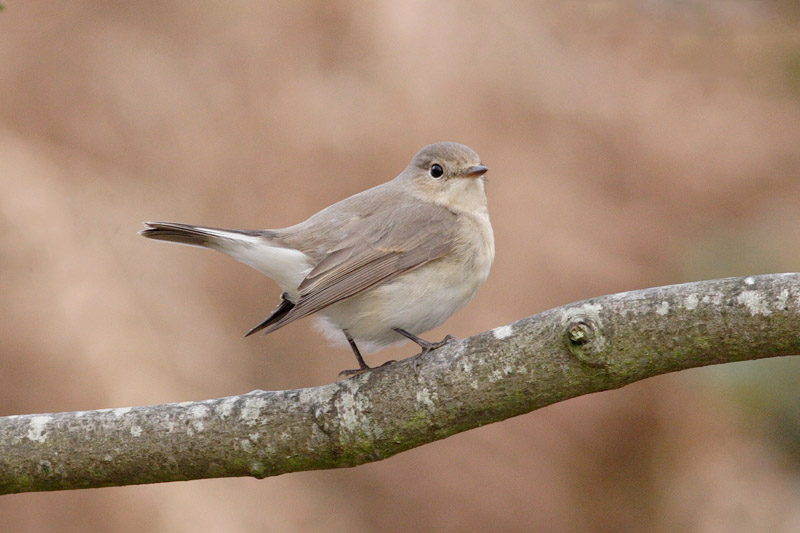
x: 362, y: 366
x: 425, y: 345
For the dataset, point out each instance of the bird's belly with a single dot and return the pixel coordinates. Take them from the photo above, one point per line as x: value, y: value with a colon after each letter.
x: 416, y: 301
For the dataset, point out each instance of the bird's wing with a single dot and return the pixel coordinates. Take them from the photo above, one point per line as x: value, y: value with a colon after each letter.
x: 378, y: 253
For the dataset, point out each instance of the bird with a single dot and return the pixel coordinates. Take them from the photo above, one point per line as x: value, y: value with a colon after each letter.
x: 380, y: 267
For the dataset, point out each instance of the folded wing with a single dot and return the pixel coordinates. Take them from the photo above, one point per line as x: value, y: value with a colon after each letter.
x: 369, y: 258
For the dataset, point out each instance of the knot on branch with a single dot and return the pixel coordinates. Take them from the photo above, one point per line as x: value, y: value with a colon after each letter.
x: 584, y: 338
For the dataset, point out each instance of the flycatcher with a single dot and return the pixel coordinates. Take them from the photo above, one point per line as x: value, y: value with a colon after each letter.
x: 380, y: 267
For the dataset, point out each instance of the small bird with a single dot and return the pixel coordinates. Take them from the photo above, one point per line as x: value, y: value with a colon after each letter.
x: 379, y: 267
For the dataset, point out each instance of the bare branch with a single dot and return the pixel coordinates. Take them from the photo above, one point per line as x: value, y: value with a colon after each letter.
x: 598, y: 344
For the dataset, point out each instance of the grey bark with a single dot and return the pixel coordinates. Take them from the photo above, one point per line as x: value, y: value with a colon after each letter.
x: 594, y: 345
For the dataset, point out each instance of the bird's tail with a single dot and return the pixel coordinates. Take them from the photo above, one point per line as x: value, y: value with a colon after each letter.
x: 255, y: 248
x: 196, y: 235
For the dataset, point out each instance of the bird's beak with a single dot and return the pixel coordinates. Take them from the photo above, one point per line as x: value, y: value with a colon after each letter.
x: 476, y: 172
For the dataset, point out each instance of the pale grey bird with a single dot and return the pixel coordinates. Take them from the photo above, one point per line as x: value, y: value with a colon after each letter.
x: 382, y: 266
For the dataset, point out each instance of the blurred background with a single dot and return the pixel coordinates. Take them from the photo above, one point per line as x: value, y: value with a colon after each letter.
x: 631, y: 144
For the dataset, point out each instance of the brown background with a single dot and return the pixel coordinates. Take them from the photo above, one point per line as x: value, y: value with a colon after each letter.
x: 631, y: 144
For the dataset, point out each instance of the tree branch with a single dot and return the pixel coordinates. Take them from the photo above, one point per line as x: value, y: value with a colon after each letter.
x: 589, y: 346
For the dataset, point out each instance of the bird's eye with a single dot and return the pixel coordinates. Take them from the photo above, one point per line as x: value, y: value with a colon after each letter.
x: 436, y: 171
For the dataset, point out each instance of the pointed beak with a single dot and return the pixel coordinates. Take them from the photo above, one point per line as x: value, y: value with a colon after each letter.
x: 476, y: 172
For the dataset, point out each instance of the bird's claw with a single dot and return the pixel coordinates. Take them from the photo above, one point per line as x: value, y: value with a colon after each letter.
x: 344, y: 374
x: 429, y: 347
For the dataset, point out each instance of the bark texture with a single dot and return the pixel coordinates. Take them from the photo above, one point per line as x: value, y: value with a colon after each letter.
x: 594, y: 345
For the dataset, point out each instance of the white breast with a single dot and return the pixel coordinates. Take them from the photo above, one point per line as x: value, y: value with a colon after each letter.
x: 417, y: 301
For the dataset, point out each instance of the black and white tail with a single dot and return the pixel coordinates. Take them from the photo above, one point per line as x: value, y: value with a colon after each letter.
x: 255, y: 248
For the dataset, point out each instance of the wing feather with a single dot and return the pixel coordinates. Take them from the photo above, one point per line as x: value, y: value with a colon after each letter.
x: 366, y: 260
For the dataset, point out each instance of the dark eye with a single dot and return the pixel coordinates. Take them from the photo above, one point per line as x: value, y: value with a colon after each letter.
x: 436, y: 171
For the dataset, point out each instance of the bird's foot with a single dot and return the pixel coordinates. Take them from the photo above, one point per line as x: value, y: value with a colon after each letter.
x: 425, y: 345
x: 344, y: 374
x: 429, y: 346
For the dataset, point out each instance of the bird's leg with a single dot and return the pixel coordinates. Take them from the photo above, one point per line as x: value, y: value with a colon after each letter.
x: 362, y: 366
x: 425, y: 345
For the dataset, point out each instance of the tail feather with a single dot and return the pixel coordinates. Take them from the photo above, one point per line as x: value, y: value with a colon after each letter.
x: 255, y: 248
x: 192, y: 235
